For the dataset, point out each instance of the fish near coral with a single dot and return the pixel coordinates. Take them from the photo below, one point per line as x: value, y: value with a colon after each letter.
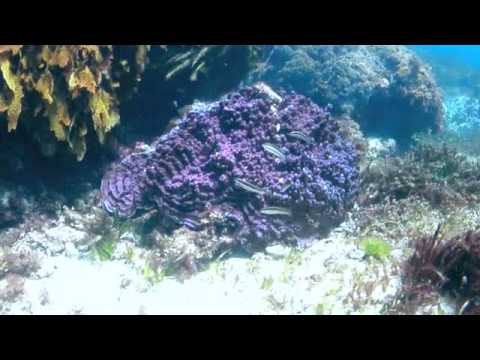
x: 237, y: 157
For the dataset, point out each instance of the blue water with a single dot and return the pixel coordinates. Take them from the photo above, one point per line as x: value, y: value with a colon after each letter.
x: 466, y: 54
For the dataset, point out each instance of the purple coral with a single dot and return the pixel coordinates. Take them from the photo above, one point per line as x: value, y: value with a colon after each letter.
x: 195, y: 169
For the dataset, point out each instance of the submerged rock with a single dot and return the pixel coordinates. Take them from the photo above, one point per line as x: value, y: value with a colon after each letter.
x: 386, y: 88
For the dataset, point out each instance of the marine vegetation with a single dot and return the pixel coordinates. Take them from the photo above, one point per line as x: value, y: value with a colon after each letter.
x: 74, y: 91
x: 447, y: 266
x: 74, y: 87
x: 433, y: 170
x: 389, y: 90
x: 270, y: 166
x: 376, y: 248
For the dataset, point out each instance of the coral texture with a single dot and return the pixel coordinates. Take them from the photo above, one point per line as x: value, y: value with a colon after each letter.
x: 273, y: 167
x: 387, y: 89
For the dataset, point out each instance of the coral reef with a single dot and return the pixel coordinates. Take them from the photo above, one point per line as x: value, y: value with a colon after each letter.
x: 387, y: 89
x: 270, y: 167
x: 332, y: 276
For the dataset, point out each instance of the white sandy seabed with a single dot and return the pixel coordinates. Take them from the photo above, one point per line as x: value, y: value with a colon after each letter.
x: 330, y: 277
x: 327, y: 278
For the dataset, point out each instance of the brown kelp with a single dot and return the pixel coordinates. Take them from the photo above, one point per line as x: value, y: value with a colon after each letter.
x: 74, y: 92
x: 73, y: 87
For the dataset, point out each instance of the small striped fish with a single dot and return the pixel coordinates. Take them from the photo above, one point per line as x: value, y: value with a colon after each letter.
x: 192, y: 224
x: 248, y: 186
x: 301, y: 136
x: 274, y: 150
x: 274, y: 210
x: 285, y: 188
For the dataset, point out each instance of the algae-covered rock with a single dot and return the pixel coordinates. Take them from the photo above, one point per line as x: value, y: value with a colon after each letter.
x: 386, y: 88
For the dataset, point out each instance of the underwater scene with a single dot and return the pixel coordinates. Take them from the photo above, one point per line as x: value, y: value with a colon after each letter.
x: 240, y: 179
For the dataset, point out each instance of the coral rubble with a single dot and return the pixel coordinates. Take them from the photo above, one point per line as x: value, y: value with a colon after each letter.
x: 270, y: 166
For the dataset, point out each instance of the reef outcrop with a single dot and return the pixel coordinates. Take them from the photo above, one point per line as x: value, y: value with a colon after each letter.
x: 257, y: 165
x: 387, y: 89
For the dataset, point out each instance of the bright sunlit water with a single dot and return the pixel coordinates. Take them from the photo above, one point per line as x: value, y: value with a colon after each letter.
x: 466, y: 54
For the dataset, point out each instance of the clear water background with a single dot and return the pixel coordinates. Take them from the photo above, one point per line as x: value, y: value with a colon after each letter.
x: 467, y: 54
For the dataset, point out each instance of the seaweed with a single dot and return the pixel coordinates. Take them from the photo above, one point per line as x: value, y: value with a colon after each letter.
x: 375, y: 248
x: 444, y: 266
x: 78, y: 89
x: 55, y: 82
x: 12, y: 81
x: 435, y: 171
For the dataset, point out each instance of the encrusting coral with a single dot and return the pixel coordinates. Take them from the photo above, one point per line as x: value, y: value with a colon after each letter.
x: 270, y: 166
